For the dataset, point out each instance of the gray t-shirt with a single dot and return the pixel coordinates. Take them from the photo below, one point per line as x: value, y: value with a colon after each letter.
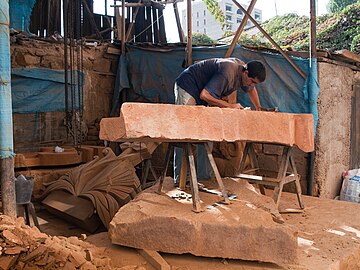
x: 219, y: 76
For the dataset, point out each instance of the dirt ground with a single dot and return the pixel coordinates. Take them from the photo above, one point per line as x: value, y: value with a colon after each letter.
x: 328, y: 238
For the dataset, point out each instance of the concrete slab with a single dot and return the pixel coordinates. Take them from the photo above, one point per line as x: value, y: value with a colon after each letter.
x: 176, y: 123
x: 242, y: 230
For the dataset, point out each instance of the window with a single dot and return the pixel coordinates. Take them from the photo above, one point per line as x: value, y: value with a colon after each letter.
x: 204, y: 22
x: 204, y: 30
x: 204, y: 12
x: 228, y: 18
x: 239, y: 12
x: 197, y: 14
x: 228, y: 8
x: 238, y: 20
x: 228, y: 27
x: 257, y: 16
x: 197, y: 23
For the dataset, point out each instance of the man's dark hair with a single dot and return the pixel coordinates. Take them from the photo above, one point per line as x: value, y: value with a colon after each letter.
x: 257, y: 70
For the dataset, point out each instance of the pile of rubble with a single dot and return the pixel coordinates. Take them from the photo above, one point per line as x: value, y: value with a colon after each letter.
x: 24, y: 247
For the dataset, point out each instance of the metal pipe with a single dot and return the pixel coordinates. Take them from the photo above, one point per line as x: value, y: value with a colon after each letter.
x: 6, y: 123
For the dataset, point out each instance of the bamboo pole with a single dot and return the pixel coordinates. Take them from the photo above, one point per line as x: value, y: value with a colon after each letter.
x: 240, y: 29
x: 271, y: 40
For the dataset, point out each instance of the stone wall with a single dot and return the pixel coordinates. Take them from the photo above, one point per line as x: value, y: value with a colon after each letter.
x: 99, y: 63
x: 333, y: 129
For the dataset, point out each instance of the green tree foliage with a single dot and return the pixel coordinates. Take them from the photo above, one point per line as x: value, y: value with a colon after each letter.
x: 338, y: 5
x: 200, y: 38
x: 336, y: 31
x: 215, y: 10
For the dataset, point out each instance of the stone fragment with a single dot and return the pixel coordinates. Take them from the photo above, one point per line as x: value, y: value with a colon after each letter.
x: 77, y: 259
x: 12, y: 238
x: 35, y: 253
x: 6, y: 262
x: 88, y: 266
x: 180, y: 123
x: 14, y: 250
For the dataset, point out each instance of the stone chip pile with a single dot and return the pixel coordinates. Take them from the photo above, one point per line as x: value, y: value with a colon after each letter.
x: 24, y: 247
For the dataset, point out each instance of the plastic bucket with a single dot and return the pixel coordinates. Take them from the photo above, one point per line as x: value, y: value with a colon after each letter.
x: 23, y: 189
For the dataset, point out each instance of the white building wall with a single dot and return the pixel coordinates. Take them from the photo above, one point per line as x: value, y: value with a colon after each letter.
x: 204, y: 22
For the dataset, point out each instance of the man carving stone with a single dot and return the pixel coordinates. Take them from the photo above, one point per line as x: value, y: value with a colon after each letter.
x: 207, y: 83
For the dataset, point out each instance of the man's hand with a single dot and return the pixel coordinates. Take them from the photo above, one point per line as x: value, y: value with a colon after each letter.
x: 236, y: 106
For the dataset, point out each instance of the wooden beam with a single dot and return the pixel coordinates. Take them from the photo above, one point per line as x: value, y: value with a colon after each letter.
x: 8, y: 197
x: 155, y: 2
x: 271, y: 40
x: 155, y: 259
x: 131, y: 24
x: 177, y: 18
x: 123, y: 28
x: 92, y: 20
x: 189, y: 34
x: 240, y: 29
x: 118, y: 19
x: 312, y: 29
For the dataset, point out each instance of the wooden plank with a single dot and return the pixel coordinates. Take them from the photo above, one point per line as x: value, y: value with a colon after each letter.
x: 347, y: 54
x: 155, y: 259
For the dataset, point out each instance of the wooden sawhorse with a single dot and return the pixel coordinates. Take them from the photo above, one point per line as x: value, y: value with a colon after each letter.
x: 283, y: 176
x: 188, y: 164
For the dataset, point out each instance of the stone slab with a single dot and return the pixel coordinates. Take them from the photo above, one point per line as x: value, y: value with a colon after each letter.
x: 178, y: 123
x: 76, y: 210
x: 242, y: 230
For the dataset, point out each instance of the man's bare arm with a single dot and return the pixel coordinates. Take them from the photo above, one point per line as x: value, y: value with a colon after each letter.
x: 209, y: 99
x: 254, y: 97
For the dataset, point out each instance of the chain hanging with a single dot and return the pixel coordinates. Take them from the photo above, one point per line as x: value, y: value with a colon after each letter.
x: 73, y: 18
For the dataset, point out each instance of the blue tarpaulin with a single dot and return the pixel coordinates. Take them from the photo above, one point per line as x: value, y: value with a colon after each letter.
x: 20, y: 13
x: 150, y: 73
x: 40, y: 90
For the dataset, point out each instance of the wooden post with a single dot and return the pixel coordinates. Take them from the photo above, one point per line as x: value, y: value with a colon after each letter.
x: 312, y: 29
x: 131, y: 25
x: 118, y: 19
x: 271, y: 40
x: 8, y: 196
x: 123, y: 28
x: 189, y: 34
x: 181, y: 32
x: 240, y: 29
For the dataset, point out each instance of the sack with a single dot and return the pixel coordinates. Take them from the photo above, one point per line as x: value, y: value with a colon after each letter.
x: 350, y: 190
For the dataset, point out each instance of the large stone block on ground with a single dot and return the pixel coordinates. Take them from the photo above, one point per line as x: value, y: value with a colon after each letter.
x: 180, y: 123
x: 242, y: 230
